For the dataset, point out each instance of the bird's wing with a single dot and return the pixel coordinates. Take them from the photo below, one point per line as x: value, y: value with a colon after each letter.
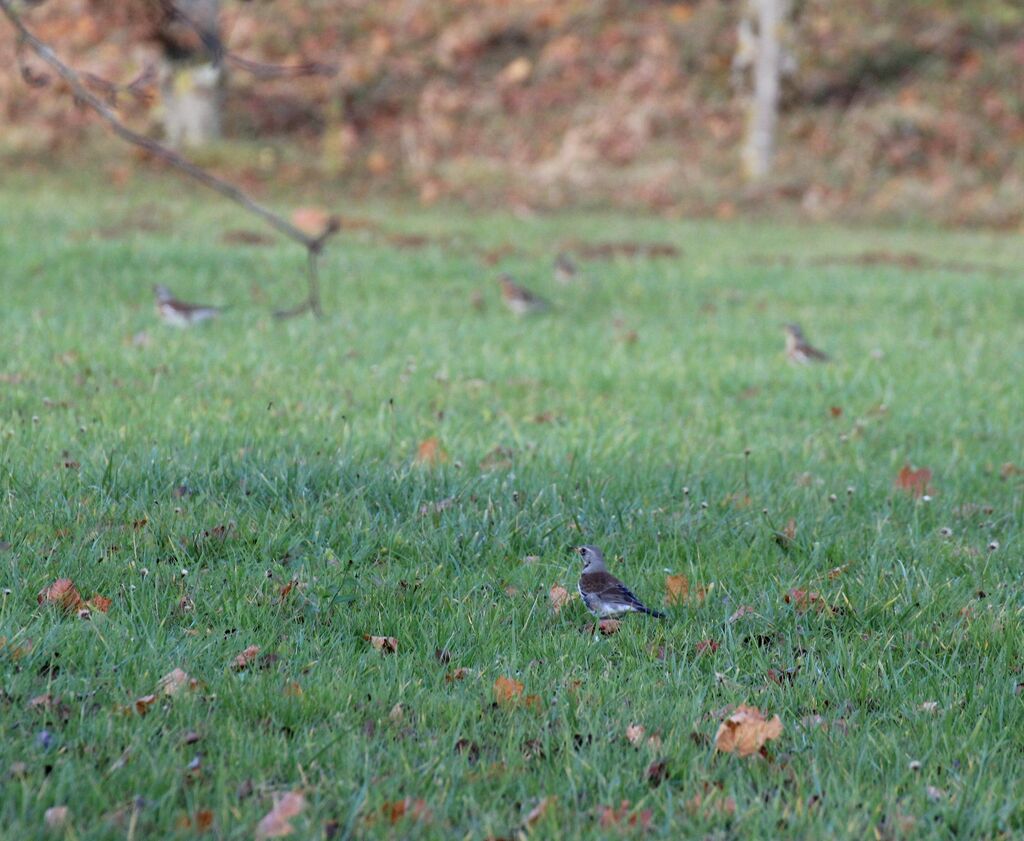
x: 814, y: 353
x: 609, y: 589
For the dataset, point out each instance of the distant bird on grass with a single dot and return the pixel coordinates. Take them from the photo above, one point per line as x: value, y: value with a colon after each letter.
x: 179, y: 314
x: 603, y: 594
x: 519, y: 299
x: 565, y: 269
x: 799, y: 350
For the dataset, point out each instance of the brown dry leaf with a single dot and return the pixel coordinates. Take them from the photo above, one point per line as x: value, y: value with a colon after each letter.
x: 413, y: 809
x: 176, y: 680
x: 804, y: 600
x: 43, y: 702
x: 635, y: 734
x: 63, y: 593
x: 605, y: 626
x: 917, y: 483
x: 507, y: 690
x: 1010, y: 469
x: 609, y: 816
x: 707, y: 646
x: 276, y: 823
x: 656, y: 772
x: 559, y: 597
x: 246, y: 657
x: 293, y: 689
x: 459, y: 674
x: 677, y: 589
x: 385, y: 645
x: 835, y: 572
x: 537, y: 812
x: 56, y: 817
x: 431, y: 452
x: 746, y: 731
x: 100, y: 603
x: 143, y: 704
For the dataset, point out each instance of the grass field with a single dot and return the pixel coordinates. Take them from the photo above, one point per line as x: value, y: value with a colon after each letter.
x: 123, y: 441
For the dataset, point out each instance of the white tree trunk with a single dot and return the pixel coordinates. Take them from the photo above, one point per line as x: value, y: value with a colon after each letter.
x: 764, y: 41
x: 193, y: 97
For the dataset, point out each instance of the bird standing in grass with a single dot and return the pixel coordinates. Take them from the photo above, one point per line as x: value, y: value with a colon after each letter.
x: 799, y: 350
x: 179, y: 314
x: 603, y: 594
x: 565, y: 269
x: 519, y: 299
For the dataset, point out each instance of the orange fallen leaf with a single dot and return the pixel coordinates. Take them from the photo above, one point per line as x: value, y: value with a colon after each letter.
x: 609, y: 816
x: 62, y: 593
x: 201, y: 821
x: 277, y: 822
x: 507, y: 690
x: 609, y: 626
x: 293, y: 689
x: 746, y: 731
x: 385, y: 645
x: 917, y: 483
x: 176, y: 680
x: 246, y: 657
x: 143, y: 704
x: 430, y: 451
x: 804, y: 600
x: 559, y: 597
x: 677, y: 589
x: 100, y: 603
x: 707, y: 646
x: 458, y: 674
x: 414, y: 809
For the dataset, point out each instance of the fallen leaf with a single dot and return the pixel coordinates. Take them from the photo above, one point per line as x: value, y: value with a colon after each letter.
x: 413, y: 809
x: 62, y: 593
x: 276, y: 823
x: 176, y: 680
x: 470, y: 749
x: 605, y: 626
x: 537, y: 812
x: 708, y: 646
x: 457, y: 674
x: 56, y: 816
x: 746, y: 731
x: 609, y: 816
x: 431, y: 452
x: 507, y: 690
x: 804, y: 600
x: 917, y: 483
x: 677, y: 589
x: 635, y: 733
x: 385, y: 645
x: 143, y: 704
x: 246, y: 657
x: 836, y: 411
x: 656, y: 772
x: 559, y: 597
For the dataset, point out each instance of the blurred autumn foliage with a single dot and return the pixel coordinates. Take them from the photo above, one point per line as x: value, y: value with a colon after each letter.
x: 898, y: 109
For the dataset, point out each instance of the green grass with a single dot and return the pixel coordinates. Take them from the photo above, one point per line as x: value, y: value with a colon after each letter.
x: 303, y: 435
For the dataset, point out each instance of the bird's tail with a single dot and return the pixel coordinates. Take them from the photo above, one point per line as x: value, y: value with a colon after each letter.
x: 657, y: 614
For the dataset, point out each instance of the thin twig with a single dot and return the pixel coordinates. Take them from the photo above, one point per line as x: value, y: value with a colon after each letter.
x: 313, y: 244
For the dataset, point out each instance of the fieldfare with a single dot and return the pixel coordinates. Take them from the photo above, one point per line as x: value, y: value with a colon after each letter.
x: 603, y: 593
x: 799, y: 350
x: 519, y: 299
x: 565, y: 269
x: 178, y: 313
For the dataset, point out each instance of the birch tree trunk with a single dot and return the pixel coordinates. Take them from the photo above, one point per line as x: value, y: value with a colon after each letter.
x: 762, y: 49
x: 193, y: 76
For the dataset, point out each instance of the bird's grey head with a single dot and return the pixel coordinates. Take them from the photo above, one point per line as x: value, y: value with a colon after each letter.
x: 794, y: 331
x: 162, y: 292
x: 593, y: 559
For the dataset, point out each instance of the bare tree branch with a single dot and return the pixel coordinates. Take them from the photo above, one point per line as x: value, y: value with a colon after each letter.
x: 313, y: 244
